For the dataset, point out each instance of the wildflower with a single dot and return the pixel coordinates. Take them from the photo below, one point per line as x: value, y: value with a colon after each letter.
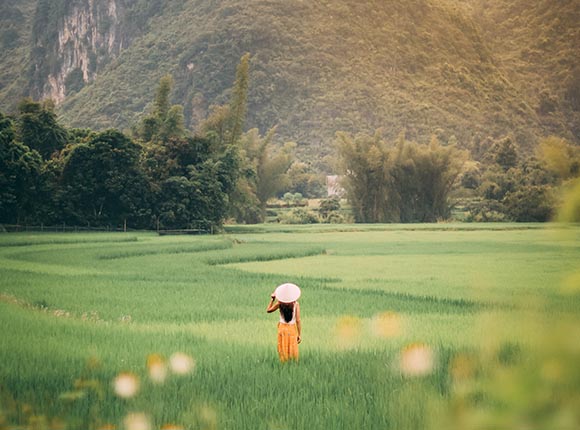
x: 126, y: 385
x: 462, y: 367
x: 181, y: 364
x: 126, y: 319
x: 348, y: 330
x: 386, y: 324
x: 416, y: 360
x: 157, y: 368
x: 137, y: 421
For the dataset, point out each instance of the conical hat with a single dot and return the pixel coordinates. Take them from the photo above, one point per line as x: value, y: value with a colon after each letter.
x: 287, y: 293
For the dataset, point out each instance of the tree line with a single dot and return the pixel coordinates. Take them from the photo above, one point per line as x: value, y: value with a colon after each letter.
x: 404, y: 181
x: 157, y: 175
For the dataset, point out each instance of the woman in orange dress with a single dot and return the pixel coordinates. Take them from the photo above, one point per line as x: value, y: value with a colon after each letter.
x: 285, y: 299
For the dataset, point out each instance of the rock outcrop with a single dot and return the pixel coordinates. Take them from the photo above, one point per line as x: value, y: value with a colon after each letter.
x: 88, y: 35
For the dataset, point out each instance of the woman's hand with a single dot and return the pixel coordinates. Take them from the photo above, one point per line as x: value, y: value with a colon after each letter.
x: 299, y: 339
x: 273, y: 295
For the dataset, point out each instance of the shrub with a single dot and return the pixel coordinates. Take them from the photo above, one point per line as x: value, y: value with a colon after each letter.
x: 530, y: 204
x: 300, y: 216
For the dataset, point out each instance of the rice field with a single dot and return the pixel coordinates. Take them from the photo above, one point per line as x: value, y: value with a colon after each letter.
x: 404, y: 327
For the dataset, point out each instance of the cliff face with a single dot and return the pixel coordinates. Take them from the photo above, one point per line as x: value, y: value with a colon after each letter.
x: 71, y: 48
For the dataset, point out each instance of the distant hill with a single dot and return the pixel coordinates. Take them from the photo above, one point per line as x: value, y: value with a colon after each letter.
x: 537, y: 47
x: 459, y: 69
x: 15, y: 50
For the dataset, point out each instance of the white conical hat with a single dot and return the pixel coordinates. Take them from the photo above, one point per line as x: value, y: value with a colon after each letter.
x: 287, y: 293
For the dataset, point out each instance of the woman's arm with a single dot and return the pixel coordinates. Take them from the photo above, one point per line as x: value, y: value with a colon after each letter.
x: 298, y: 323
x: 272, y: 306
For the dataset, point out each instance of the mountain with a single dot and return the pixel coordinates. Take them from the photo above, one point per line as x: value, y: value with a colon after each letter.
x: 459, y: 69
x: 15, y: 49
x: 537, y: 47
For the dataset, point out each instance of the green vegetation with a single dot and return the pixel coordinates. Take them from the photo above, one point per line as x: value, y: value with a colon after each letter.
x: 163, y: 177
x: 535, y: 47
x: 15, y: 47
x: 166, y: 177
x: 416, y: 326
x: 459, y: 69
x: 405, y: 182
x: 193, y: 165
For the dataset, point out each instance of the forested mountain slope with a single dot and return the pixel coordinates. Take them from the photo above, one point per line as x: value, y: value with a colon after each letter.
x: 467, y: 69
x: 537, y: 47
x: 15, y: 50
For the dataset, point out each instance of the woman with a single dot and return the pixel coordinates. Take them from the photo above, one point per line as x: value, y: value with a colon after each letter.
x: 285, y: 298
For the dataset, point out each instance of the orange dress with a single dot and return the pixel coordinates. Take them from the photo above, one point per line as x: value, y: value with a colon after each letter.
x: 287, y: 342
x: 288, y: 338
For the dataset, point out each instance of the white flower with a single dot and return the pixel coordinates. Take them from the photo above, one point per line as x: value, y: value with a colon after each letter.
x: 137, y: 421
x: 126, y: 385
x: 416, y: 360
x: 181, y: 364
x: 157, y: 368
x: 386, y: 325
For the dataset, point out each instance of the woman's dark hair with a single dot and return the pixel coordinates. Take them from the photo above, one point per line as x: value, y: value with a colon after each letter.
x: 287, y: 310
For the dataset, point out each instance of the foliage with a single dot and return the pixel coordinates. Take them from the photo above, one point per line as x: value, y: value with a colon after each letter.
x: 534, y: 44
x: 102, y: 182
x: 530, y: 203
x: 504, y: 153
x: 193, y: 177
x: 559, y: 157
x: 168, y: 178
x: 19, y: 175
x: 271, y: 167
x: 165, y: 121
x: 329, y: 207
x: 294, y: 199
x: 368, y: 184
x: 487, y: 210
x: 405, y: 182
x: 462, y: 69
x: 509, y: 385
x: 239, y: 100
x: 523, y: 189
x: 39, y: 129
x: 304, y: 180
x: 299, y: 216
x: 569, y: 211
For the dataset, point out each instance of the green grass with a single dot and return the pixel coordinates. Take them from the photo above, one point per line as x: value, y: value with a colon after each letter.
x: 69, y: 300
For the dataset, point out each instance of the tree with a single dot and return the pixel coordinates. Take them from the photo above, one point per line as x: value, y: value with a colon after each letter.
x: 569, y: 211
x: 198, y: 199
x: 328, y: 207
x: 304, y: 180
x: 239, y: 99
x: 406, y: 182
x: 523, y: 193
x: 505, y: 154
x: 225, y: 123
x: 38, y: 127
x: 264, y: 175
x: 165, y: 121
x: 19, y: 175
x: 559, y: 157
x: 104, y: 184
x: 161, y: 102
x: 530, y: 203
x: 363, y: 160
